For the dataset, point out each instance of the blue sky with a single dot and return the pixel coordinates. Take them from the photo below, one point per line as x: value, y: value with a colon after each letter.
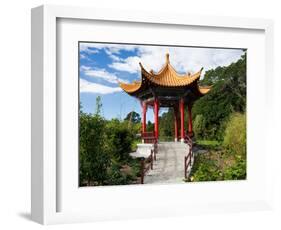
x: 103, y: 65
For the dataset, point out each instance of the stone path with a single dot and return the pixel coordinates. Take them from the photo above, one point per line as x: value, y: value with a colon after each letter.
x: 169, y: 165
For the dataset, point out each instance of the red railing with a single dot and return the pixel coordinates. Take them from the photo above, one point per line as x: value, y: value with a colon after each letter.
x: 155, y: 150
x: 189, y: 156
x: 147, y: 164
x: 148, y: 137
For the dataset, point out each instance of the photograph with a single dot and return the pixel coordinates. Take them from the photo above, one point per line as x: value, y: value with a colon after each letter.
x: 161, y: 114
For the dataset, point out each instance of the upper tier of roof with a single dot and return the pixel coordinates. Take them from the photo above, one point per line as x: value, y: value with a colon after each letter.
x: 167, y: 77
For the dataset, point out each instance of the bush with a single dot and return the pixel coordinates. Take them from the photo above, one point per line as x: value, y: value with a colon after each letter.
x: 217, y: 166
x: 236, y: 171
x: 119, y: 139
x: 94, y: 157
x: 235, y: 135
x: 199, y: 126
x: 229, y: 163
x: 206, y: 168
x: 115, y: 176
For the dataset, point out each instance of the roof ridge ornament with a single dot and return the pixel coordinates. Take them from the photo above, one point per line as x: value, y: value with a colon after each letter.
x: 167, y: 58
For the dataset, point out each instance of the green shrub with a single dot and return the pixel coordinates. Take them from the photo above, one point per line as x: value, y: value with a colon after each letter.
x: 104, y: 149
x: 205, y: 169
x: 94, y: 157
x: 236, y: 171
x: 207, y: 172
x: 116, y: 177
x: 235, y: 135
x: 199, y: 126
x: 119, y: 139
x: 217, y: 166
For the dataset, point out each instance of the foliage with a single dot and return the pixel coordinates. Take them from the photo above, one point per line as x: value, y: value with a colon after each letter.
x: 104, y: 149
x: 116, y: 177
x: 135, y: 144
x: 119, y: 139
x: 228, y: 95
x: 166, y: 127
x: 133, y: 117
x: 150, y: 126
x: 98, y: 105
x: 208, y: 144
x: 227, y: 163
x: 205, y: 169
x: 217, y: 166
x: 236, y: 171
x: 199, y: 126
x: 235, y: 134
x: 94, y: 158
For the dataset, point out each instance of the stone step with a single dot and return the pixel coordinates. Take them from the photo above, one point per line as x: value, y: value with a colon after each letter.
x: 169, y: 166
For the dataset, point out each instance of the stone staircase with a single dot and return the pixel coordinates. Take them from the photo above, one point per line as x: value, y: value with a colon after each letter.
x: 169, y: 165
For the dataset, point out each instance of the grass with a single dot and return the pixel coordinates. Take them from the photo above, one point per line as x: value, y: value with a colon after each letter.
x: 209, y: 144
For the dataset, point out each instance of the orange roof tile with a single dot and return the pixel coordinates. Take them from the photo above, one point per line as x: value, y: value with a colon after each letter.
x: 204, y: 89
x: 130, y: 88
x: 167, y: 77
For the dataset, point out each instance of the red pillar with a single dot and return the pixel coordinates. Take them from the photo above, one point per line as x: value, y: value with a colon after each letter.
x: 156, y: 110
x: 144, y: 109
x: 190, y: 132
x: 176, y: 123
x: 182, y: 118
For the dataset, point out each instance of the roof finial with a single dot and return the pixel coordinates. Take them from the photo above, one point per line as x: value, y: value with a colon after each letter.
x: 167, y: 58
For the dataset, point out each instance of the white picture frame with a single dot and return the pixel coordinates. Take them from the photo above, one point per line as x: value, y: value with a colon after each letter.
x: 44, y: 115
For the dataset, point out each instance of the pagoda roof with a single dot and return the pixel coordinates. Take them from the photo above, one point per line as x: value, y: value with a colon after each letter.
x: 167, y: 77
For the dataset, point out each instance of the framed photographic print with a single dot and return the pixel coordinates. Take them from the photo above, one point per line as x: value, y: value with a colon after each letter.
x: 140, y: 115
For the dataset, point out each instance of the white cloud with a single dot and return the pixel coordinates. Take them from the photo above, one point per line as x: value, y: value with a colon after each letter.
x: 87, y: 49
x: 130, y: 64
x: 113, y: 56
x: 101, y: 74
x: 183, y: 59
x: 90, y: 87
x: 109, y: 48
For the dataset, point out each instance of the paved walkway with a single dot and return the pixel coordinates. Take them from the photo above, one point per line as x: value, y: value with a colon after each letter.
x: 169, y: 165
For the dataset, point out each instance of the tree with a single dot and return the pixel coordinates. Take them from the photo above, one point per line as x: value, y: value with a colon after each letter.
x: 166, y: 127
x: 119, y: 139
x: 227, y: 95
x: 98, y: 105
x: 133, y: 117
x: 104, y: 149
x: 94, y: 157
x: 199, y: 126
x: 150, y: 126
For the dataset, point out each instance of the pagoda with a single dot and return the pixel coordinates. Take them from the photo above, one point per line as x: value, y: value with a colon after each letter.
x: 168, y: 89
